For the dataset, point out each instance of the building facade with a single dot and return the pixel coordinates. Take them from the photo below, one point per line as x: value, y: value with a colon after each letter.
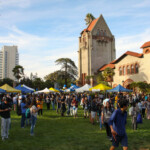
x: 9, y: 58
x: 131, y: 67
x: 96, y: 48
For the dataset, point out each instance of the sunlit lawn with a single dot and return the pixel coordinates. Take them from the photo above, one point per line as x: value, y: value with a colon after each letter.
x: 53, y: 132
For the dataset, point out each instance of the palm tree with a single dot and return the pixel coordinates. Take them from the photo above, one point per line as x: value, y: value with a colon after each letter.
x: 18, y: 72
x: 68, y: 68
x: 89, y: 18
x: 108, y: 74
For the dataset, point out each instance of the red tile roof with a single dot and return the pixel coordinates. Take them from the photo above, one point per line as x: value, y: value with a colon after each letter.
x: 91, y: 25
x: 106, y: 66
x: 133, y: 54
x: 112, y: 63
x: 147, y: 44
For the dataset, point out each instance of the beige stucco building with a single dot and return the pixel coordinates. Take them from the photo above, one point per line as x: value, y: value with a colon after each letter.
x: 96, y: 48
x: 131, y: 67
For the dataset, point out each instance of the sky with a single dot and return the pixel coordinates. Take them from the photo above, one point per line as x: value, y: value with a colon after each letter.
x: 45, y: 30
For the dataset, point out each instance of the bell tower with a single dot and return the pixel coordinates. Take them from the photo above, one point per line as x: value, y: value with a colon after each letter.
x: 96, y: 48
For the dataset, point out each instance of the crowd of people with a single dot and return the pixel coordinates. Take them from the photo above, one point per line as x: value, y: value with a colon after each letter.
x: 110, y: 113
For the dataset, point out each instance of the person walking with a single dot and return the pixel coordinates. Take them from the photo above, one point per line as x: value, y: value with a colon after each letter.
x: 117, y: 124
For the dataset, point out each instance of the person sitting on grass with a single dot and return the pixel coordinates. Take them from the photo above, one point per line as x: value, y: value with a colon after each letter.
x: 117, y: 124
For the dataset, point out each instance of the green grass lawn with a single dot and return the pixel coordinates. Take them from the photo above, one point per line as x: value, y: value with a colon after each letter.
x: 53, y: 132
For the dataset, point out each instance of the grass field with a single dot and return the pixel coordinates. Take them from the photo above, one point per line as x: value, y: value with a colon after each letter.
x: 53, y: 132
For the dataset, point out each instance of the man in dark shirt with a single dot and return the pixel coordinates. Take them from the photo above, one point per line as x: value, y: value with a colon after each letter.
x: 117, y: 124
x: 5, y: 109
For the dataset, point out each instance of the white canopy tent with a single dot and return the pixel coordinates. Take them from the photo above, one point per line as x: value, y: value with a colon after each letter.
x: 83, y: 88
x: 46, y: 90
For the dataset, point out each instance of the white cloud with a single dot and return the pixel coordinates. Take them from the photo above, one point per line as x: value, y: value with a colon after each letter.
x: 132, y: 43
x: 14, y: 3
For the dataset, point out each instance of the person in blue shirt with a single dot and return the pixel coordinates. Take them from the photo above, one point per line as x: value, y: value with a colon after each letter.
x: 23, y: 111
x: 117, y: 124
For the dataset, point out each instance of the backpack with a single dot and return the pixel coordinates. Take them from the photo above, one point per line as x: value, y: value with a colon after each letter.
x: 27, y: 114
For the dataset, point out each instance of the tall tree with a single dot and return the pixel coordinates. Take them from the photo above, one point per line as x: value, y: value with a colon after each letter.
x: 89, y: 18
x: 108, y: 74
x: 18, y: 72
x: 68, y: 67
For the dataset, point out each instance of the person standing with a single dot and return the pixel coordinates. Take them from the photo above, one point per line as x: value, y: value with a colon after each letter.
x: 117, y: 124
x: 48, y: 102
x: 40, y: 105
x: 33, y: 112
x: 5, y: 109
x: 106, y: 114
x: 23, y: 111
x: 148, y: 108
x: 75, y: 106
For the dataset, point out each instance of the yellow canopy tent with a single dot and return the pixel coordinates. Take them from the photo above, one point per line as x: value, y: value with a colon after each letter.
x: 9, y: 89
x: 52, y: 89
x: 101, y: 87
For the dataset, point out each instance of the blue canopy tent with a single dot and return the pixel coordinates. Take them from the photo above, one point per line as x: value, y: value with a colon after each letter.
x: 119, y: 88
x: 72, y: 88
x: 23, y: 89
x: 2, y: 91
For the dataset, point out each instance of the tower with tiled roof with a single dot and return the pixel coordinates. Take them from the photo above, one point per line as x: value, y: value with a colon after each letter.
x: 96, y: 48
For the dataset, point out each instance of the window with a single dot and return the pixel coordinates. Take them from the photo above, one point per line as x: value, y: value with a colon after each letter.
x: 128, y: 69
x: 120, y: 71
x: 132, y: 69
x: 124, y: 70
x: 136, y: 68
x: 98, y: 32
x: 101, y: 32
x: 105, y: 33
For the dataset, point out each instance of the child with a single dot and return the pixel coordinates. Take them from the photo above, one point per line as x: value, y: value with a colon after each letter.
x: 117, y: 124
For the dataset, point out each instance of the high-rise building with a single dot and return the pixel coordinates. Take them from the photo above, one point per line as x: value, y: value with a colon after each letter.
x: 96, y: 48
x: 9, y: 58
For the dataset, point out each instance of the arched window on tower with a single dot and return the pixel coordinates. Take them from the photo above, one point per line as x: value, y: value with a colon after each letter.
x: 128, y: 69
x: 136, y: 68
x: 120, y: 71
x: 132, y: 69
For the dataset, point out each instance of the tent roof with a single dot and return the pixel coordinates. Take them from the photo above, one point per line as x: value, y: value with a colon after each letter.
x: 46, y: 90
x: 28, y: 87
x: 23, y: 89
x: 119, y: 88
x: 52, y: 89
x: 100, y: 87
x: 9, y: 89
x: 2, y: 91
x: 83, y: 88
